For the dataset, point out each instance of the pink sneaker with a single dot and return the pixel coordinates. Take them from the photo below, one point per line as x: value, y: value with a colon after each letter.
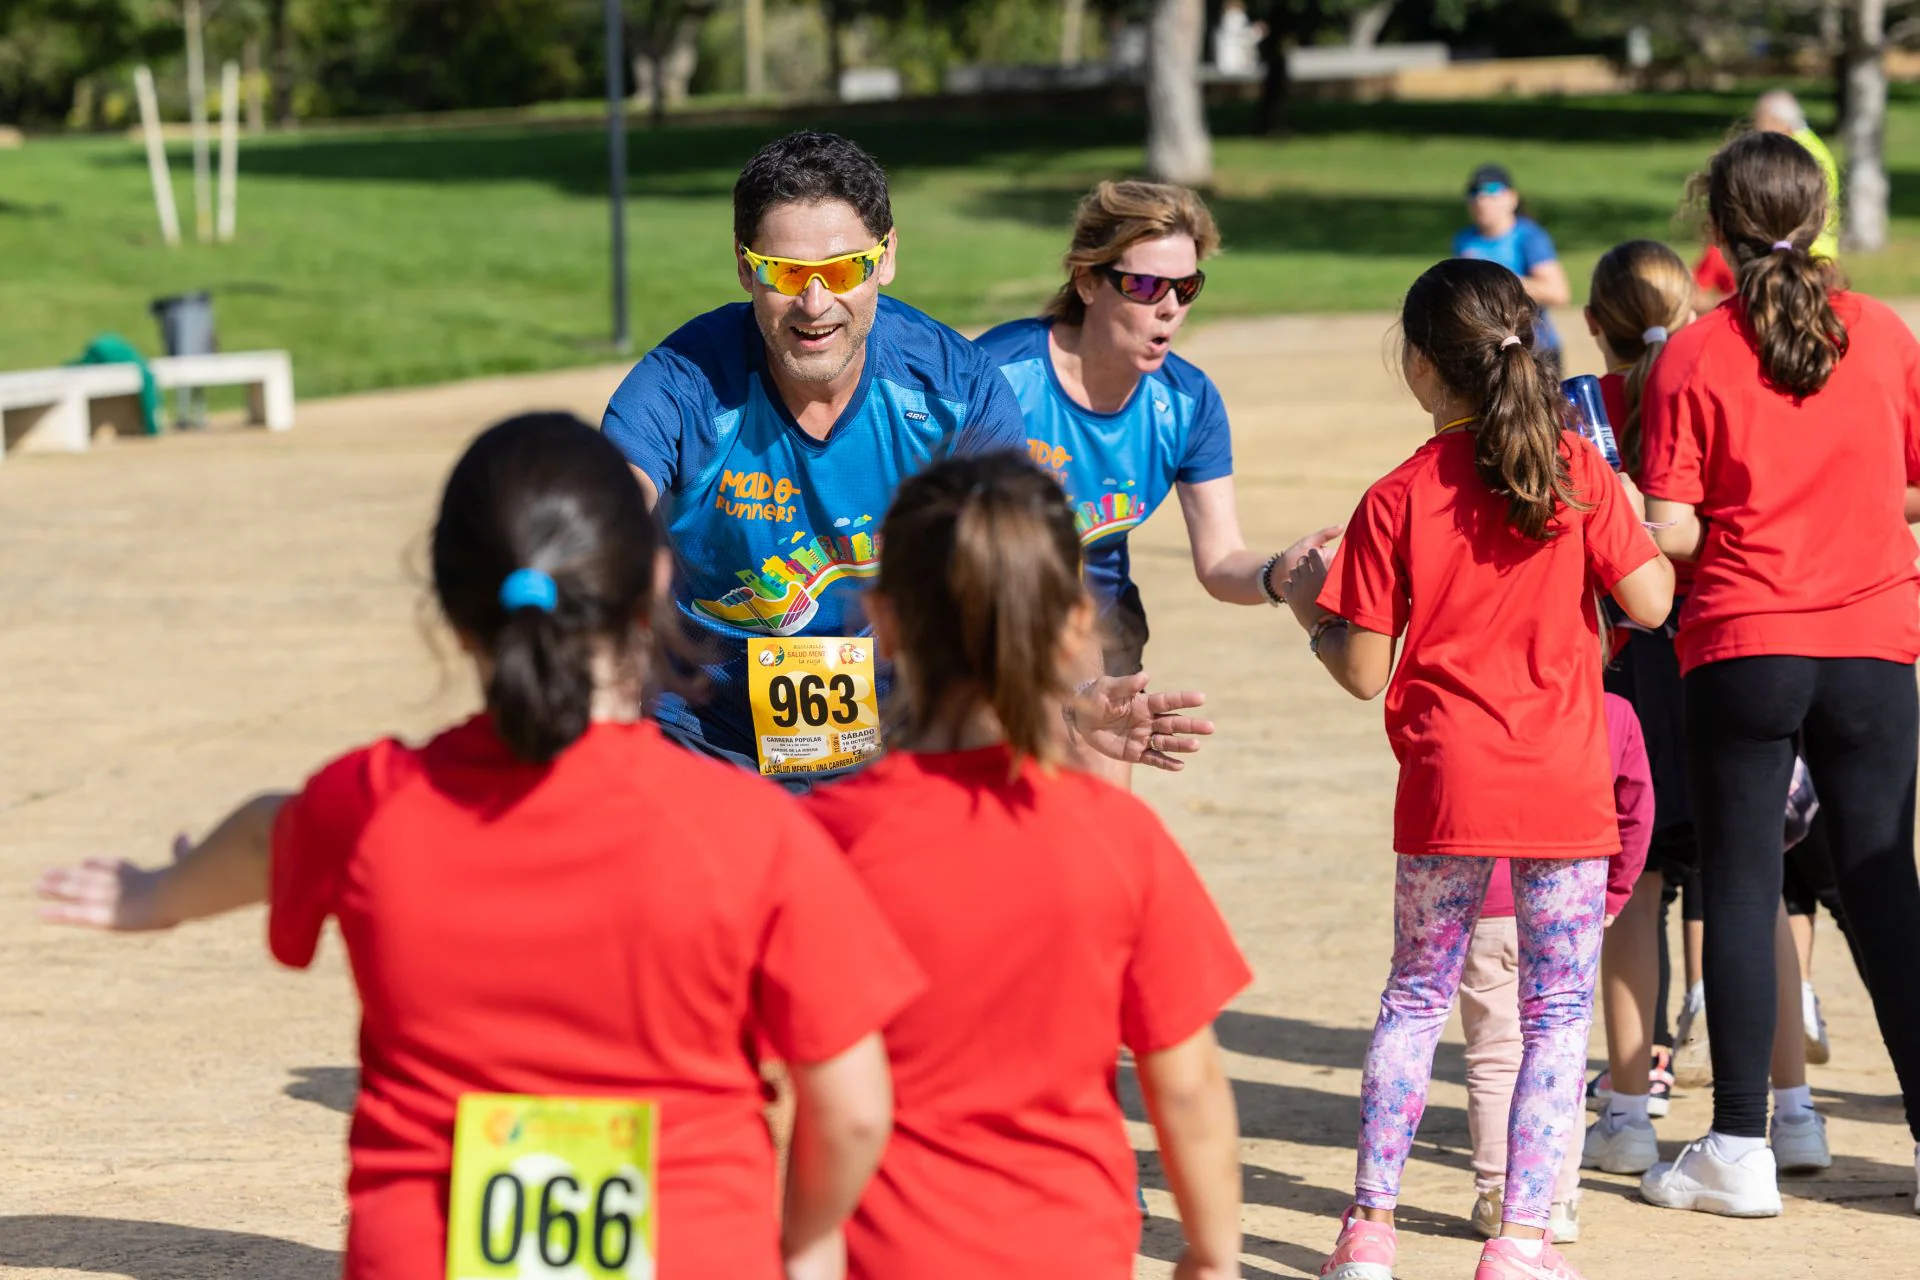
x: 1502, y: 1260
x: 1365, y: 1251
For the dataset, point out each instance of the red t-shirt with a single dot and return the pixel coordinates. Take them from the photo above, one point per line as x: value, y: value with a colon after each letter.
x: 623, y: 923
x: 1056, y: 920
x: 1807, y: 549
x: 1613, y: 394
x: 1713, y: 273
x: 1632, y: 810
x: 1494, y: 710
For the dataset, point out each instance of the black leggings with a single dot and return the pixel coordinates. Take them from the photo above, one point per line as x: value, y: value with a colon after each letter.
x: 1861, y: 717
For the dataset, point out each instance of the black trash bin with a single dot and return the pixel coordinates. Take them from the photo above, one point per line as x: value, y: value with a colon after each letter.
x: 186, y: 329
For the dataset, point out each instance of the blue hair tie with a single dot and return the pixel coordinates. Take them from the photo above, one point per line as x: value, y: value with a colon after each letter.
x: 529, y: 589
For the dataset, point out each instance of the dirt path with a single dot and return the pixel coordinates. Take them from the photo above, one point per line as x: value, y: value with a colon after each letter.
x: 188, y: 619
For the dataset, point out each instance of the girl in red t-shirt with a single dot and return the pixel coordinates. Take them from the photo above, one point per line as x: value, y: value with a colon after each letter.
x: 1640, y: 296
x: 552, y: 900
x: 1054, y: 916
x: 1483, y: 550
x: 1782, y: 444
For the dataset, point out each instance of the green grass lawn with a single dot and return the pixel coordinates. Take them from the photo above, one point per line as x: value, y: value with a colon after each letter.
x: 397, y: 258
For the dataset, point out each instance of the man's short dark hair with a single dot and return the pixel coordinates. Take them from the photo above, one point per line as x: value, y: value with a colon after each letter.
x: 807, y: 168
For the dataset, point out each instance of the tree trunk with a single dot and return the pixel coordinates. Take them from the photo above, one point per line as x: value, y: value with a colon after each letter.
x: 1073, y: 17
x: 1364, y: 29
x: 197, y: 115
x: 836, y: 56
x: 281, y: 38
x: 754, y: 30
x: 256, y: 104
x: 1270, y: 116
x: 1179, y: 148
x: 1865, y: 224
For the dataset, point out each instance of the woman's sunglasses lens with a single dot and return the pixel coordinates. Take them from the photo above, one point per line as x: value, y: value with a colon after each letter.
x: 1187, y: 288
x: 1144, y: 288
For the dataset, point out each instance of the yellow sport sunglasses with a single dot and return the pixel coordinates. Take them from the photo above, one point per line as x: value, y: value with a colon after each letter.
x: 791, y: 276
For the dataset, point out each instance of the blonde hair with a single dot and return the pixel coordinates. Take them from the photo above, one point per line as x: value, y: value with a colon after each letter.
x: 1638, y: 286
x: 1115, y: 216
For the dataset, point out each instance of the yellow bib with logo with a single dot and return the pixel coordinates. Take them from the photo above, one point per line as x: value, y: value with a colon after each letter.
x: 550, y: 1187
x: 815, y: 707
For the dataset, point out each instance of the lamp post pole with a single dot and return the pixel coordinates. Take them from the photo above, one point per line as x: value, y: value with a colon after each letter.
x: 617, y: 166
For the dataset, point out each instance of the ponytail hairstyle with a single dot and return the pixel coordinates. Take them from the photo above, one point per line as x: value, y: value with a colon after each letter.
x: 1767, y: 202
x: 1475, y: 323
x: 980, y: 561
x: 545, y: 501
x: 1640, y: 290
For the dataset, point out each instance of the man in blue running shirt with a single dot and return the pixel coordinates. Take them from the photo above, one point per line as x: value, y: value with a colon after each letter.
x: 771, y: 435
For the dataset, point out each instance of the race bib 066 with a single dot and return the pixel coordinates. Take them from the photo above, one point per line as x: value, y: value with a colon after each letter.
x: 546, y: 1188
x: 814, y: 702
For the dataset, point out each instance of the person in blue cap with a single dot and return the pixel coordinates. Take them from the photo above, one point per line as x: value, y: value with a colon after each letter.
x: 1502, y: 233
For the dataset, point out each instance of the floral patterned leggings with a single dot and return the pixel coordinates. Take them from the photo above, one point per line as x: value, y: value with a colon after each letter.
x: 1559, y: 910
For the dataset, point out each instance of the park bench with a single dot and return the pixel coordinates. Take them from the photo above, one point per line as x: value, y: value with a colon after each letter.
x: 58, y: 410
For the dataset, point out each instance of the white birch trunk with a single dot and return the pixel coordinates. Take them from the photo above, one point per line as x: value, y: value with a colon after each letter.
x: 1179, y: 149
x: 1864, y: 226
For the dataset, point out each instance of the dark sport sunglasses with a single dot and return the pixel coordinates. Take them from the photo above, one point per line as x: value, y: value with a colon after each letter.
x: 1147, y: 290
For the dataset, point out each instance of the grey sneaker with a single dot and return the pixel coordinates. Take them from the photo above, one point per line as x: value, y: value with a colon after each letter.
x: 1800, y: 1143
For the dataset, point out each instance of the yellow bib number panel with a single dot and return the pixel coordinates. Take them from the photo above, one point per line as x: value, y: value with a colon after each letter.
x: 545, y: 1188
x: 814, y: 703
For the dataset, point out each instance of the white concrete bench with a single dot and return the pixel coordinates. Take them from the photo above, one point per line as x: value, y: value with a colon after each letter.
x: 53, y: 409
x: 267, y: 376
x: 58, y: 410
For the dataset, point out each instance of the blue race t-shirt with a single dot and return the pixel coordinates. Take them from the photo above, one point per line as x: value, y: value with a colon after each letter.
x: 773, y: 531
x: 1525, y: 246
x: 1115, y: 467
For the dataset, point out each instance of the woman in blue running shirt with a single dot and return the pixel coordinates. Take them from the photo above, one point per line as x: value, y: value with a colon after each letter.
x: 1501, y: 233
x: 1120, y: 421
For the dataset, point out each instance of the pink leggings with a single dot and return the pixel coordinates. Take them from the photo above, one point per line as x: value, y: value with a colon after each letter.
x: 1559, y: 909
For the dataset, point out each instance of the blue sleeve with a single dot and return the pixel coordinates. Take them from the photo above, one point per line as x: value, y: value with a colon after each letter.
x: 646, y: 419
x: 1209, y: 451
x: 1536, y: 246
x: 994, y: 421
x: 1460, y: 242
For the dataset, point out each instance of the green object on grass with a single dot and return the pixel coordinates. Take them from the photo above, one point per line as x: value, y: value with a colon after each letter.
x: 111, y: 348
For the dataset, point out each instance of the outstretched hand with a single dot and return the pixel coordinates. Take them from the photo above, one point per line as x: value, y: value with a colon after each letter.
x: 1117, y: 717
x: 102, y: 893
x: 1293, y: 555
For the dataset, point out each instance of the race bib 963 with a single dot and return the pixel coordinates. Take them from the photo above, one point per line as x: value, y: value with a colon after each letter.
x: 814, y: 703
x: 545, y: 1188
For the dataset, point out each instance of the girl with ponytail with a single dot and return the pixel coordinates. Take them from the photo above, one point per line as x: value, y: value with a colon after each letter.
x: 552, y: 900
x: 1048, y: 908
x: 1640, y: 298
x: 1482, y: 551
x: 1780, y: 449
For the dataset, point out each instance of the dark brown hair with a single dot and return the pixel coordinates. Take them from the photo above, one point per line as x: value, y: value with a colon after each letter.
x: 1114, y: 217
x: 1638, y: 286
x: 1459, y: 314
x: 980, y: 560
x: 546, y: 492
x: 1764, y: 189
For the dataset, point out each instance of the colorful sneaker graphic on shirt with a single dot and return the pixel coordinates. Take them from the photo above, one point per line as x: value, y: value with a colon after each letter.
x: 782, y: 596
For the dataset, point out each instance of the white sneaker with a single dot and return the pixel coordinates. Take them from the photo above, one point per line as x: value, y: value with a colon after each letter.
x: 1563, y: 1227
x: 1619, y: 1146
x: 1692, y: 1057
x: 1702, y: 1181
x: 1819, y: 1048
x: 1800, y: 1143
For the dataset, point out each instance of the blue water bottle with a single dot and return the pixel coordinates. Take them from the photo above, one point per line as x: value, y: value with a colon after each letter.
x: 1589, y: 412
